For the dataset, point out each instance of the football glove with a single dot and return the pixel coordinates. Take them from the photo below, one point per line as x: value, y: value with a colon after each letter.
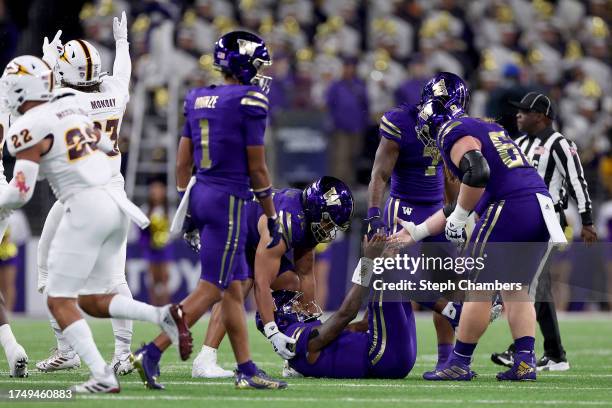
x: 191, y: 234
x: 283, y: 345
x: 274, y: 228
x: 374, y: 222
x: 455, y: 226
x: 120, y: 27
x: 52, y: 50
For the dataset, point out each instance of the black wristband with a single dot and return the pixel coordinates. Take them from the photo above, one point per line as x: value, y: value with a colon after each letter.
x: 449, y: 208
x: 587, y: 218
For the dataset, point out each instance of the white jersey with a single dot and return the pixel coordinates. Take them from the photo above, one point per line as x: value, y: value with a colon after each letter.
x: 73, y: 163
x: 106, y: 108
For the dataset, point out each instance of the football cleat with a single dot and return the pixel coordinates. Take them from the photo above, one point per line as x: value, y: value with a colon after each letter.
x: 121, y: 364
x: 108, y: 384
x: 18, y: 361
x: 505, y: 358
x: 173, y: 324
x: 289, y: 372
x: 205, y: 366
x: 147, y: 367
x: 259, y: 381
x: 59, y: 361
x: 523, y: 369
x: 546, y: 363
x: 452, y: 370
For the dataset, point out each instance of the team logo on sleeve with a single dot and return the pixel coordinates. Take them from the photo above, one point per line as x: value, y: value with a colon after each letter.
x: 20, y: 183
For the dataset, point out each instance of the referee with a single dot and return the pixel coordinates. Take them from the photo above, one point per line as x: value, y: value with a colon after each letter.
x: 557, y: 162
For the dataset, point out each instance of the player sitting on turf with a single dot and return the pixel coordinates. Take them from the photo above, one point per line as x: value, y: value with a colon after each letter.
x: 53, y: 137
x: 329, y: 349
x: 104, y: 98
x: 491, y: 168
x: 308, y: 217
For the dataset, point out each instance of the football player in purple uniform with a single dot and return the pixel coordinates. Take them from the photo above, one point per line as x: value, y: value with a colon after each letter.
x: 330, y: 349
x: 223, y: 137
x: 415, y: 168
x: 489, y: 164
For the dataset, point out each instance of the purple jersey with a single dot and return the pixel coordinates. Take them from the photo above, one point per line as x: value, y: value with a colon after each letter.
x: 511, y: 174
x: 288, y: 204
x: 221, y: 122
x: 417, y: 176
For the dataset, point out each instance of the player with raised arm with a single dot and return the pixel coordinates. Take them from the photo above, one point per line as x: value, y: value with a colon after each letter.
x: 104, y: 97
x: 53, y: 137
x: 223, y: 137
x: 308, y: 217
x: 330, y: 349
x: 15, y: 353
x: 415, y: 168
x: 491, y: 168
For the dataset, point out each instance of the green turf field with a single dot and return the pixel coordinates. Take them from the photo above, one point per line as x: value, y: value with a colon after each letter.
x: 589, y: 383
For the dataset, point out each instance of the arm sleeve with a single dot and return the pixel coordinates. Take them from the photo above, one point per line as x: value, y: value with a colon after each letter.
x: 122, y: 67
x: 21, y: 188
x: 568, y: 163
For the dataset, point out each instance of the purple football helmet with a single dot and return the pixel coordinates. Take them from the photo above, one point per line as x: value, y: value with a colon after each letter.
x: 241, y: 54
x: 432, y: 114
x: 288, y: 310
x: 448, y: 88
x: 328, y: 206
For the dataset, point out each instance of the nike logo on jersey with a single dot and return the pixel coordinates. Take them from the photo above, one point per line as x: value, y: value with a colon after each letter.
x: 103, y: 103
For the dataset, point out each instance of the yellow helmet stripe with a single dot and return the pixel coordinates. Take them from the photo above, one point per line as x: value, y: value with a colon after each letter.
x: 89, y: 67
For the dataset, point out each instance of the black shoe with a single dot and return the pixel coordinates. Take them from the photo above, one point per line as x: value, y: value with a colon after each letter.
x: 505, y: 358
x: 546, y: 363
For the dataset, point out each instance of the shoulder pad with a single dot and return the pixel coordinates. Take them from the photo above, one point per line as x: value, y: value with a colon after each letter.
x: 253, y: 102
x: 24, y: 134
x: 450, y: 132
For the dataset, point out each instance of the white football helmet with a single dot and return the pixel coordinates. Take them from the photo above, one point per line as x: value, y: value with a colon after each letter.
x: 79, y: 64
x: 25, y: 78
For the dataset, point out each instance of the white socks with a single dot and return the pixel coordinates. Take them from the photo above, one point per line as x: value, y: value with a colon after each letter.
x: 62, y: 344
x: 7, y: 339
x: 80, y: 338
x: 122, y: 328
x: 123, y: 307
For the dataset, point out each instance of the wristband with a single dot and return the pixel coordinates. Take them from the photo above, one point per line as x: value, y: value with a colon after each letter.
x: 270, y: 329
x: 262, y: 193
x: 460, y: 214
x: 363, y: 272
x: 373, y: 212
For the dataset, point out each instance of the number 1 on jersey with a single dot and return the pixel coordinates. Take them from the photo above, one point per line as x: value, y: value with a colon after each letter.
x: 204, y: 140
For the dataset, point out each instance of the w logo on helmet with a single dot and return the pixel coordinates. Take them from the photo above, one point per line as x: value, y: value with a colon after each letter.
x: 332, y: 197
x: 246, y: 47
x: 439, y: 88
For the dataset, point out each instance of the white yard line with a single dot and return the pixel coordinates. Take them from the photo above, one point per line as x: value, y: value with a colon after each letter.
x: 340, y: 384
x: 408, y: 399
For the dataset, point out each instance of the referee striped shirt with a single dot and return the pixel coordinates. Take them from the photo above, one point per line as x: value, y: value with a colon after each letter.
x: 557, y: 162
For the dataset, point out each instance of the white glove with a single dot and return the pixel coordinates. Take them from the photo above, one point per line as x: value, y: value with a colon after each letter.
x: 120, y: 27
x: 52, y: 50
x: 455, y: 226
x: 283, y: 345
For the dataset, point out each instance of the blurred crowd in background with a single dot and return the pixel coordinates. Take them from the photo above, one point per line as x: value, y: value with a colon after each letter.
x: 349, y: 61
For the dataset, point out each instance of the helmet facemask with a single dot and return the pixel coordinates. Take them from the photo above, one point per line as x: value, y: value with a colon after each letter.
x: 325, y: 230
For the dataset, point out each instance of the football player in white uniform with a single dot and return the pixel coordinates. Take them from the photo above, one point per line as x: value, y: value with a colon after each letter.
x: 15, y: 354
x: 104, y: 97
x: 53, y: 136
